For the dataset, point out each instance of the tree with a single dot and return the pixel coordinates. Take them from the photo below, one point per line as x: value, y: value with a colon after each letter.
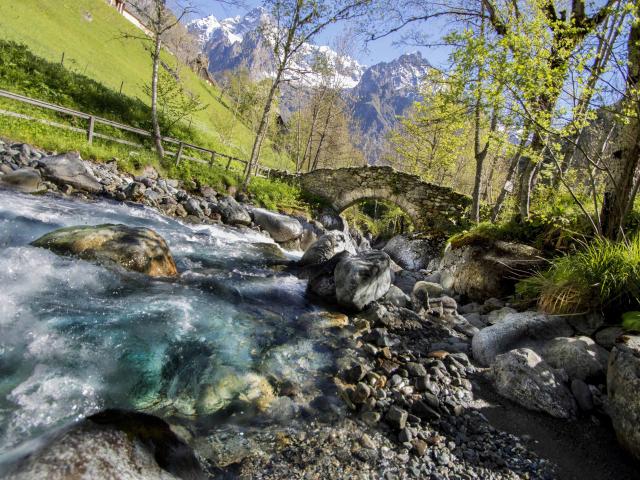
x: 159, y: 21
x: 532, y: 44
x: 295, y: 23
x: 622, y: 186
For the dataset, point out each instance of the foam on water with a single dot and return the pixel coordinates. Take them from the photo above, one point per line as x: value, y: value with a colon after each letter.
x: 77, y: 337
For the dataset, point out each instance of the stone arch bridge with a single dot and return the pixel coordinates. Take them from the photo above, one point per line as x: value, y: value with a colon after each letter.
x: 429, y: 206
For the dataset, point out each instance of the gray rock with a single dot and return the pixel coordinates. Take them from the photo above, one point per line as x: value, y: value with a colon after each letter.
x: 413, y: 253
x: 192, y: 206
x: 397, y: 297
x: 135, y: 191
x: 423, y: 291
x: 322, y: 280
x: 328, y: 245
x: 623, y: 385
x: 606, y: 337
x: 69, y: 168
x: 282, y: 228
x: 582, y: 394
x: 232, y: 212
x: 496, y: 316
x: 522, y: 376
x: 586, y: 324
x: 112, y: 444
x: 396, y: 417
x: 517, y: 329
x: 26, y: 180
x: 134, y: 248
x: 483, y: 268
x: 580, y: 357
x: 362, y: 278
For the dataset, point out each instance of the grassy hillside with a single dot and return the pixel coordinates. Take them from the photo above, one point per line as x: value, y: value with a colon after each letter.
x: 91, y: 36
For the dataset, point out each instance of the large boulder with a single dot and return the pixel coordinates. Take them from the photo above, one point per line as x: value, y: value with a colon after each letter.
x: 112, y: 444
x: 522, y: 376
x: 282, y: 228
x: 69, y: 169
x: 325, y: 248
x: 487, y: 268
x: 322, y: 282
x: 134, y: 248
x: 581, y: 357
x: 516, y: 330
x: 362, y: 278
x: 26, y: 180
x: 623, y: 385
x: 414, y: 252
x: 232, y: 212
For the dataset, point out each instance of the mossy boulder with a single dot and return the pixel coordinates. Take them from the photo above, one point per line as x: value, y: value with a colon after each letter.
x: 134, y: 248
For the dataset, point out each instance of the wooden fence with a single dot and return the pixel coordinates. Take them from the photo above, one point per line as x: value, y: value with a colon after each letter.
x: 91, y: 133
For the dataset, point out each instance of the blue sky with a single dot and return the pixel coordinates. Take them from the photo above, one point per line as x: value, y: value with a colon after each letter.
x: 381, y: 50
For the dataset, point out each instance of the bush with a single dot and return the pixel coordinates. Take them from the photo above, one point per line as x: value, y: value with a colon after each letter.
x: 277, y: 195
x: 602, y: 276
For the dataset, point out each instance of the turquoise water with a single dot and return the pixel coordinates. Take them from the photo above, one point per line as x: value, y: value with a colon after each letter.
x: 76, y: 337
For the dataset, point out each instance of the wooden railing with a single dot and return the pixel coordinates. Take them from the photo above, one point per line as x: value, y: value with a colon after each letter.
x: 91, y: 133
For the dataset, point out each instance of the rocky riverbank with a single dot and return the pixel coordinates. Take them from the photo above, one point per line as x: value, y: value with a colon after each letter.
x: 411, y: 390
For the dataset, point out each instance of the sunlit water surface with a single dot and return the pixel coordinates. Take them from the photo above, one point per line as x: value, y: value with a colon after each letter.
x: 76, y: 337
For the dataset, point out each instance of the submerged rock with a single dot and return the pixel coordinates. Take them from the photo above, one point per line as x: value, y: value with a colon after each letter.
x: 26, y: 180
x: 522, y: 376
x: 623, y: 385
x: 69, y: 169
x: 134, y: 248
x: 282, y: 228
x: 362, y: 278
x: 112, y: 444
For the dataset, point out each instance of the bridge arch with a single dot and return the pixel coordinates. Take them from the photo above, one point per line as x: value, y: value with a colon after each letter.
x: 429, y: 206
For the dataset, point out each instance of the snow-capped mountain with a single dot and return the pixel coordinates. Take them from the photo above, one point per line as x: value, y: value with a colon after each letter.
x: 385, y: 91
x: 377, y: 95
x: 237, y: 42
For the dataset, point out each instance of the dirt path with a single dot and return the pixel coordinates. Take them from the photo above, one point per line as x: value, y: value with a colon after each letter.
x: 582, y: 449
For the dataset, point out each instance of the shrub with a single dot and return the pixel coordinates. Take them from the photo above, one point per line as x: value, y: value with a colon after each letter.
x: 603, y: 275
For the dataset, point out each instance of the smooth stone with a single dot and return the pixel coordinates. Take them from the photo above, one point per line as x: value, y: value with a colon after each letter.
x: 522, y: 376
x: 515, y: 329
x: 134, y: 248
x: 25, y: 180
x: 362, y: 279
x: 580, y: 357
x: 282, y: 228
x: 68, y: 168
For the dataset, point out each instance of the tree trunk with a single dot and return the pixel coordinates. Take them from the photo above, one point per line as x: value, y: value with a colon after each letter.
x: 508, y: 182
x: 618, y: 197
x: 321, y: 141
x: 157, y: 136
x: 261, y: 133
x: 528, y: 175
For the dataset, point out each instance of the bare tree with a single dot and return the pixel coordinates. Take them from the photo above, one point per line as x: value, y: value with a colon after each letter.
x: 295, y: 23
x: 159, y: 21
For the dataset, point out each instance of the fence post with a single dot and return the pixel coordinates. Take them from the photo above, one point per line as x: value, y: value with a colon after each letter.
x: 213, y: 158
x: 228, y: 164
x: 92, y: 123
x: 179, y: 153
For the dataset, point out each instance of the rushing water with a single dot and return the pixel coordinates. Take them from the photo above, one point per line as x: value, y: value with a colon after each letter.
x: 77, y: 337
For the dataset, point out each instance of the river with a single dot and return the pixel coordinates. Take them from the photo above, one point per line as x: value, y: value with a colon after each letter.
x: 202, y: 351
